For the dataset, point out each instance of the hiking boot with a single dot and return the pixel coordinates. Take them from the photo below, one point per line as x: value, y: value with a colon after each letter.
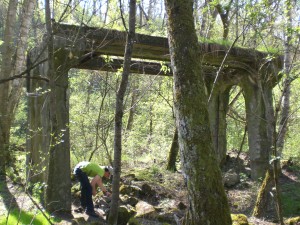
x: 92, y: 213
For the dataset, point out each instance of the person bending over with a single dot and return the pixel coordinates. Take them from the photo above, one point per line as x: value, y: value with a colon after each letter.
x: 82, y: 171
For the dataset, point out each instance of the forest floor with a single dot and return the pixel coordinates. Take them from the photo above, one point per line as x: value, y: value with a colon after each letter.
x: 241, y: 196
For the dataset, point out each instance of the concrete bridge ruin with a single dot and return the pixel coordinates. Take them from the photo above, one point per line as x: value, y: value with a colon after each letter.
x: 86, y: 48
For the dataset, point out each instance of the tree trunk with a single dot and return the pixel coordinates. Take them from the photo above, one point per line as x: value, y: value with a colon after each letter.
x: 173, y: 152
x: 10, y: 92
x: 113, y: 215
x: 208, y: 20
x: 286, y: 92
x: 134, y: 96
x: 264, y: 207
x: 207, y: 199
x: 4, y: 88
x: 224, y: 14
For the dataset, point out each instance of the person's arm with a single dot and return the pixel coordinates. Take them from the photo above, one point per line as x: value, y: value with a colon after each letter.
x: 97, y: 180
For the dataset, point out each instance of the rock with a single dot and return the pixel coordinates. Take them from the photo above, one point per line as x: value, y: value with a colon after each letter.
x: 248, y: 171
x: 293, y: 221
x: 239, y: 219
x: 134, y: 221
x: 124, y: 214
x: 144, y: 209
x: 147, y: 190
x: 167, y: 204
x: 130, y: 190
x: 143, y: 221
x: 101, y: 203
x: 127, y: 179
x: 75, y: 190
x: 129, y: 200
x: 166, y: 218
x: 79, y: 220
x: 231, y: 178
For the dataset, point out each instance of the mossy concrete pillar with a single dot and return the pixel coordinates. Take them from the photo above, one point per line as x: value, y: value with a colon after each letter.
x: 38, y: 135
x: 256, y: 96
x: 48, y: 134
x: 217, y: 109
x: 58, y: 192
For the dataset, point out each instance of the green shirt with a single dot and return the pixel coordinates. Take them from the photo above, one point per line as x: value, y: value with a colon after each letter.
x: 91, y: 169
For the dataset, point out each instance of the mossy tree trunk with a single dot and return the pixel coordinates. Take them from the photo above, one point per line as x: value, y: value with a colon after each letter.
x: 173, y: 152
x: 207, y: 199
x: 265, y: 205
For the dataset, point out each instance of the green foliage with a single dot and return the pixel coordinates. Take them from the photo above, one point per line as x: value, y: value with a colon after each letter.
x: 150, y: 174
x: 92, y: 105
x: 37, y: 190
x: 21, y: 217
x: 236, y: 120
x: 290, y: 198
x: 19, y: 126
x: 291, y: 146
x: 152, y: 132
x: 91, y: 114
x: 218, y: 41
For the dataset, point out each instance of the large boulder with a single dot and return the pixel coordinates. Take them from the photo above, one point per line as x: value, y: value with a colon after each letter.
x: 231, y: 178
x: 145, y: 210
x: 130, y: 190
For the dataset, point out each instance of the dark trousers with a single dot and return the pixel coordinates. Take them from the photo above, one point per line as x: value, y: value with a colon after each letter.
x: 86, y: 200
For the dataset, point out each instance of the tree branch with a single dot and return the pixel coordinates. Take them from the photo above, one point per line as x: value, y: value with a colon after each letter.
x: 24, y: 74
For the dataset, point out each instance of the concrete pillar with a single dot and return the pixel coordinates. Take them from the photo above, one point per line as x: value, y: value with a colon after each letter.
x: 256, y: 97
x: 38, y: 135
x: 217, y: 108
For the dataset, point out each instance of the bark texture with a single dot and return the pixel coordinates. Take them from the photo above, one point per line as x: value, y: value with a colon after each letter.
x: 265, y: 204
x: 207, y: 199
